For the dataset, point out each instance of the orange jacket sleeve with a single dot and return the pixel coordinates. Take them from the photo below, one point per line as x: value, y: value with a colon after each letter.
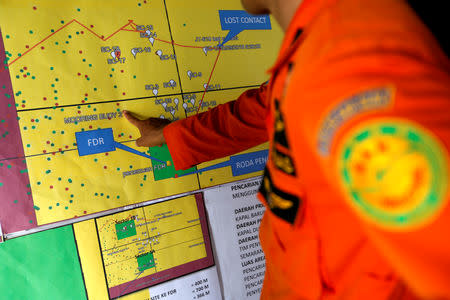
x: 226, y: 129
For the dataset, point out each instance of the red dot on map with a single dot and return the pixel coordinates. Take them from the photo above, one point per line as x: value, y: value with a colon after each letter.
x: 32, y: 120
x: 78, y: 74
x: 106, y: 153
x: 42, y: 47
x: 25, y: 68
x: 34, y: 7
x: 82, y: 32
x: 51, y: 186
x: 92, y: 26
x: 90, y: 126
x: 105, y: 167
x: 80, y: 51
x: 85, y: 95
x: 123, y: 94
x: 45, y: 98
x: 84, y: 212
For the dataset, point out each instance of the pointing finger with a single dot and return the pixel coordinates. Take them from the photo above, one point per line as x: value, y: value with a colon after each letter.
x: 132, y: 119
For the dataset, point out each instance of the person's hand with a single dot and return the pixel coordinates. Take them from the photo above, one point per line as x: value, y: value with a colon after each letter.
x: 151, y: 130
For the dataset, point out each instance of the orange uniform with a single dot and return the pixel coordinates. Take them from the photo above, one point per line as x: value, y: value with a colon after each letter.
x: 357, y: 112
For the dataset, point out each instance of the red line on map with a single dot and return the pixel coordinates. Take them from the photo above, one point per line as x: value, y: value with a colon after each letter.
x: 209, y: 80
x: 64, y: 26
x: 43, y: 40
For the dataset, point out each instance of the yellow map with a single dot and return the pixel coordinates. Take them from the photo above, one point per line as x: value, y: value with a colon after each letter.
x: 76, y: 65
x: 144, y: 246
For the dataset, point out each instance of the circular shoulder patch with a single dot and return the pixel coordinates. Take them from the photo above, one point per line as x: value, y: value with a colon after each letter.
x: 394, y: 173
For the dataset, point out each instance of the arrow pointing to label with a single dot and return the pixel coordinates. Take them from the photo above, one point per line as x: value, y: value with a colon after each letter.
x: 134, y: 151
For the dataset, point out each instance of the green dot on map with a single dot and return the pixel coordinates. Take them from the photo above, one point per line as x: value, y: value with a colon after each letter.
x: 1, y: 184
x: 48, y: 171
x: 64, y: 51
x: 31, y: 31
x: 7, y: 36
x: 78, y: 9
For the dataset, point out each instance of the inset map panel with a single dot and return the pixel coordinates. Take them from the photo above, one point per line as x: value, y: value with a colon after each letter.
x: 152, y: 244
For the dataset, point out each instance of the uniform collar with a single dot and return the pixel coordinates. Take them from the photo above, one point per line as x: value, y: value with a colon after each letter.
x: 306, y: 12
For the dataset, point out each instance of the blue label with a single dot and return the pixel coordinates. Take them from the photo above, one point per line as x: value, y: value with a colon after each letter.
x: 249, y: 162
x: 95, y: 141
x: 237, y: 21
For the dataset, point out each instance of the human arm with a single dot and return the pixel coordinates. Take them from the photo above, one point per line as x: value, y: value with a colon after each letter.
x: 226, y: 129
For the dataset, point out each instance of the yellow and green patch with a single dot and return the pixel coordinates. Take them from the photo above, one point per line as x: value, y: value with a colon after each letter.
x: 394, y: 172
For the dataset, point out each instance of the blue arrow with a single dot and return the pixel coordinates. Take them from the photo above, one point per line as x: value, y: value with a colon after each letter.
x: 134, y: 151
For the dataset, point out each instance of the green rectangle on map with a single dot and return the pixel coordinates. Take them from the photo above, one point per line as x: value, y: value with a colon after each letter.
x: 146, y: 261
x: 125, y: 229
x: 162, y: 171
